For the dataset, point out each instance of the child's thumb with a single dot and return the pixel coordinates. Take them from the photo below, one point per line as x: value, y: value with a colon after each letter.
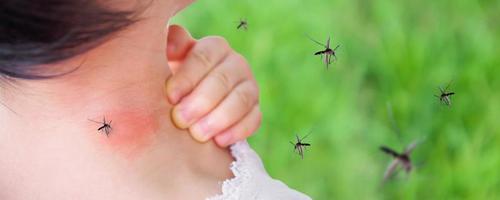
x: 179, y: 42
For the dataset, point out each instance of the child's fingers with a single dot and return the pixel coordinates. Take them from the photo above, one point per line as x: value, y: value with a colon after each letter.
x: 179, y: 42
x: 211, y: 91
x: 232, y: 109
x: 242, y: 129
x: 204, y: 55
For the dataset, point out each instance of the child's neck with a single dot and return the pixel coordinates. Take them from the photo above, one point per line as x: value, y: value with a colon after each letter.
x: 49, y: 139
x: 121, y: 80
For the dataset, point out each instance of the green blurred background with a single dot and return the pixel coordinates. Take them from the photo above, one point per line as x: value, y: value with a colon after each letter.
x: 393, y: 51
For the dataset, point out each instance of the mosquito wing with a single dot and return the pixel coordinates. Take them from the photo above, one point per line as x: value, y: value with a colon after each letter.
x: 301, y: 152
x: 412, y: 146
x: 328, y: 61
x: 107, y: 130
x: 391, y: 169
x: 447, y: 100
x: 95, y: 121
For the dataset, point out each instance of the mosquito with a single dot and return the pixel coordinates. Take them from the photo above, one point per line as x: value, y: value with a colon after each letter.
x: 242, y: 24
x: 300, y: 146
x: 328, y: 52
x: 106, y: 126
x: 399, y: 159
x: 445, y: 96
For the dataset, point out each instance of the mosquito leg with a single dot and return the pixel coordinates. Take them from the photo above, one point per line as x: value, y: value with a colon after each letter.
x: 301, y: 152
x: 310, y: 38
x: 441, y: 90
x: 3, y: 104
x: 108, y: 130
x: 447, y: 87
x: 336, y: 47
x: 328, y: 60
x: 447, y: 101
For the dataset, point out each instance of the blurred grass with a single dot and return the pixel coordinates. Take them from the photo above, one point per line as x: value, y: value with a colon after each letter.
x: 392, y: 51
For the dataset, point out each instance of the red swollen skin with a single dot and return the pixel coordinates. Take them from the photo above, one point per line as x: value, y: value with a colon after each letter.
x: 132, y: 132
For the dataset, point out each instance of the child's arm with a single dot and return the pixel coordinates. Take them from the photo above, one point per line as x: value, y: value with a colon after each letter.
x: 212, y: 88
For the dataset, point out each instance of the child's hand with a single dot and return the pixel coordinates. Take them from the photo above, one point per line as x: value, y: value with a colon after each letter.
x: 212, y: 88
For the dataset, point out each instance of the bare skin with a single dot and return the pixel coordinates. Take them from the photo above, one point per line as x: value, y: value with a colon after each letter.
x: 50, y: 150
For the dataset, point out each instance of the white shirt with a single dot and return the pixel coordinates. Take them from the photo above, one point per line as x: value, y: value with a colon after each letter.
x: 251, y: 180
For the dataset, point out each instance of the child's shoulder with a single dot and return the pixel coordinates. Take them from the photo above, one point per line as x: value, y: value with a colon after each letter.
x: 251, y: 181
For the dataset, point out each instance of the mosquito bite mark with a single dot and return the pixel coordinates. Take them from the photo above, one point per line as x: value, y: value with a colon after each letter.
x: 131, y: 133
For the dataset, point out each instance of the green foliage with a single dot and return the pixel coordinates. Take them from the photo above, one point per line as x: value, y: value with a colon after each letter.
x: 396, y: 52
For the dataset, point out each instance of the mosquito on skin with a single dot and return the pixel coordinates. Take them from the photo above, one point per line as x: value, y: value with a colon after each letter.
x: 299, y: 146
x: 327, y: 52
x: 106, y: 126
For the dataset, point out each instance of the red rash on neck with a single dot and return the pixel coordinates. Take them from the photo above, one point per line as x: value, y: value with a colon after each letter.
x: 132, y: 132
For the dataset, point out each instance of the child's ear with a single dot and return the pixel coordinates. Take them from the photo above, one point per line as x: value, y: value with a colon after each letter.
x: 179, y: 42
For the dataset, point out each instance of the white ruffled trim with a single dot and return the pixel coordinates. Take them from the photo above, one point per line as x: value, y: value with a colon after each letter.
x: 251, y: 181
x: 231, y: 188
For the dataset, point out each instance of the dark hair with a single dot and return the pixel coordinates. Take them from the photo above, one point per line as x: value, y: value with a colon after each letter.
x: 37, y: 32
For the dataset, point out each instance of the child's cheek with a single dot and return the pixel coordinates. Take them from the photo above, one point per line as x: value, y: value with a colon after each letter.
x: 131, y: 134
